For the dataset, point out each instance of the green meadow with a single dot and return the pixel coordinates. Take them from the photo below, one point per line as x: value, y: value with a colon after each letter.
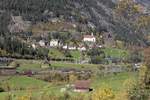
x: 38, y: 87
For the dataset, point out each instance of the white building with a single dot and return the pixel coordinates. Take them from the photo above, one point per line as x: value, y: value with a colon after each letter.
x: 89, y: 38
x: 33, y: 46
x: 100, y: 46
x: 65, y: 47
x: 54, y: 43
x: 72, y: 48
x: 42, y: 43
x: 82, y: 48
x: 69, y: 47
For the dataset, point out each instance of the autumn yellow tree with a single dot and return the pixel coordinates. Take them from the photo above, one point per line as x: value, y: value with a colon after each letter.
x: 127, y: 90
x: 103, y: 94
x: 72, y: 78
x: 127, y: 8
x: 26, y: 97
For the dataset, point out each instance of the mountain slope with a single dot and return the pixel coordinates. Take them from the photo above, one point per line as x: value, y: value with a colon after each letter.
x: 97, y: 12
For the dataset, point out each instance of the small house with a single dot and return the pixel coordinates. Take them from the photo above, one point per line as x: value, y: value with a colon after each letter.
x: 54, y: 43
x: 82, y: 48
x: 100, y: 46
x: 89, y: 38
x: 29, y: 73
x: 137, y: 66
x: 69, y: 47
x: 33, y: 46
x: 42, y: 43
x: 82, y: 86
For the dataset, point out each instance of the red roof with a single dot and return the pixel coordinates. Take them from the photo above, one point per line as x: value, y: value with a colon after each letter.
x: 88, y: 36
x: 83, y: 84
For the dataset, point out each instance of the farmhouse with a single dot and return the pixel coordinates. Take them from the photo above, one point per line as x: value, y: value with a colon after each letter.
x: 82, y: 86
x: 89, y: 38
x: 54, y: 43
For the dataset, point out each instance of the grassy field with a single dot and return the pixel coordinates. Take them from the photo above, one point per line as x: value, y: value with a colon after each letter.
x: 55, y: 53
x: 19, y: 85
x: 28, y: 66
x: 23, y: 82
x: 23, y: 86
x: 37, y: 65
x: 72, y: 65
x: 76, y: 54
x: 50, y: 89
x: 114, y: 52
x: 109, y: 52
x: 113, y: 81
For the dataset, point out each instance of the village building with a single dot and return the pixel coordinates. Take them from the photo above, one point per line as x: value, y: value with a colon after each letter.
x: 33, y: 46
x: 42, y: 43
x: 137, y: 66
x: 72, y: 48
x: 89, y: 38
x: 82, y: 48
x: 54, y: 43
x: 65, y: 47
x: 82, y: 86
x: 69, y: 47
x: 74, y: 25
x: 100, y: 46
x: 54, y: 20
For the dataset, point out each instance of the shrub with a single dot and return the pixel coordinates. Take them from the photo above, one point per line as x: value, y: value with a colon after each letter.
x: 96, y: 52
x: 103, y: 94
x: 2, y: 90
x: 67, y: 54
x: 97, y: 60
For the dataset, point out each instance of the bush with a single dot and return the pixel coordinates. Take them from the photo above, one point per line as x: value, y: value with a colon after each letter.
x: 103, y: 94
x: 96, y: 52
x: 68, y: 54
x: 97, y: 56
x: 97, y: 60
x: 2, y: 90
x: 135, y: 57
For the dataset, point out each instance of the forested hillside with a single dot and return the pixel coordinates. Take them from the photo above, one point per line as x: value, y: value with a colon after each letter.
x: 98, y: 12
x: 101, y: 14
